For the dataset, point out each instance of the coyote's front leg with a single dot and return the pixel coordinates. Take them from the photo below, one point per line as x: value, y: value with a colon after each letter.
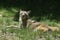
x: 20, y: 25
x: 20, y: 22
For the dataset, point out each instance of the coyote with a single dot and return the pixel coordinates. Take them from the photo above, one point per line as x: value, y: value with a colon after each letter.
x: 23, y: 17
x: 25, y: 21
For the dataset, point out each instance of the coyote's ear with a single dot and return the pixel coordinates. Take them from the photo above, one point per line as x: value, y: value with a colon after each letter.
x: 29, y: 11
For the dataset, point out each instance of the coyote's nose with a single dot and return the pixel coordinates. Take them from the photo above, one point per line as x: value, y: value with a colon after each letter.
x: 23, y: 16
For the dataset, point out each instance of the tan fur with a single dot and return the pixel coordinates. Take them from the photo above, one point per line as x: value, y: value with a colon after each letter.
x: 32, y: 23
x: 37, y: 25
x: 54, y: 28
x: 46, y: 28
x: 42, y: 27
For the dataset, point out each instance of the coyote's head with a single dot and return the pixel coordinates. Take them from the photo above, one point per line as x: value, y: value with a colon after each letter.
x: 24, y: 14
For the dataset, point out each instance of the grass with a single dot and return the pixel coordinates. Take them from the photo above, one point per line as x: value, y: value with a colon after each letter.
x: 25, y: 33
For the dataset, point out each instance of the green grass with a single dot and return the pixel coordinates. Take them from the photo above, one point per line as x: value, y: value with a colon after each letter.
x: 25, y: 33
